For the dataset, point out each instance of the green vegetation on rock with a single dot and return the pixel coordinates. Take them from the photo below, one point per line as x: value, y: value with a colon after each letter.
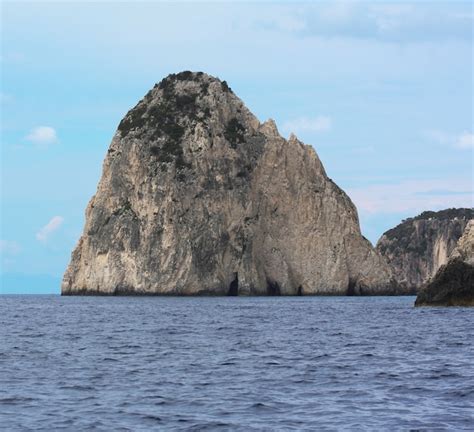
x: 234, y: 132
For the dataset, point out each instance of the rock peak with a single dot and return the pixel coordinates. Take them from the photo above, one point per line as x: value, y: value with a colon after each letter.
x: 182, y: 101
x: 189, y: 76
x: 186, y: 77
x: 270, y: 127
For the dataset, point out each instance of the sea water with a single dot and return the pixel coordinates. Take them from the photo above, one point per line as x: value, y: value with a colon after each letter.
x: 234, y: 363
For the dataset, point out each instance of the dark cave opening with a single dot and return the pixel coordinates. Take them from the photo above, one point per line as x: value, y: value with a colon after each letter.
x: 300, y: 291
x: 273, y: 289
x: 234, y: 286
x: 351, y: 287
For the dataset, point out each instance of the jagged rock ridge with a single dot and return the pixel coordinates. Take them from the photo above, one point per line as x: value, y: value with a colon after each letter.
x: 198, y: 197
x: 453, y: 284
x: 419, y: 246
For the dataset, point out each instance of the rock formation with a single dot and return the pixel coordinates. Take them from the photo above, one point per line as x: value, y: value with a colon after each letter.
x: 198, y: 197
x: 419, y: 246
x: 453, y: 284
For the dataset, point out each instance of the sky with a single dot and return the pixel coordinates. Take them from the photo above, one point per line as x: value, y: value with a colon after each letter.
x: 382, y: 90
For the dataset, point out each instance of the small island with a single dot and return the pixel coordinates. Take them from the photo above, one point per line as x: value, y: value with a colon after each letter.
x: 197, y: 197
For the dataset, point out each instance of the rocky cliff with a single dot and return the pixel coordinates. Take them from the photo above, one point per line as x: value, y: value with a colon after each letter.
x: 419, y: 246
x: 453, y: 284
x: 198, y: 197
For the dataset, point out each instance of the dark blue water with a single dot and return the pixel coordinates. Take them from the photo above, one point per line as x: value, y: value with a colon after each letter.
x: 302, y: 363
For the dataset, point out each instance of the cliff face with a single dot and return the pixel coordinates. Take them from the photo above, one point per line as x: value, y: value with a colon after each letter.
x: 453, y: 284
x: 198, y: 197
x: 419, y: 246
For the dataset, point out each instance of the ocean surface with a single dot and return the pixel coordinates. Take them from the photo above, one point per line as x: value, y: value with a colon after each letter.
x: 234, y: 363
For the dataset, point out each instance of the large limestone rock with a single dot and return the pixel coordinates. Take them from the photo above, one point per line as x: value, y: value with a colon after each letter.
x: 419, y: 246
x: 453, y: 284
x: 198, y: 197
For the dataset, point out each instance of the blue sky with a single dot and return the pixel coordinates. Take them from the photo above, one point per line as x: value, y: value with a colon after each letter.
x: 382, y: 90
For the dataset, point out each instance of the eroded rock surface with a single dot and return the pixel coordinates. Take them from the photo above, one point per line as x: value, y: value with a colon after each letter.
x: 419, y: 246
x: 198, y: 197
x: 453, y: 284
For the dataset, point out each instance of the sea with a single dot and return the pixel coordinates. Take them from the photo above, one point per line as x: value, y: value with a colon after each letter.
x: 234, y: 363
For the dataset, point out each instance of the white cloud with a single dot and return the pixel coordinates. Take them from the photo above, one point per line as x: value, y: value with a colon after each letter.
x: 288, y: 23
x: 12, y: 57
x: 43, y: 234
x: 337, y: 12
x: 5, y: 98
x: 43, y: 136
x: 438, y: 136
x: 394, y: 21
x: 413, y: 196
x: 465, y: 141
x: 390, y: 17
x: 306, y: 124
x: 8, y: 247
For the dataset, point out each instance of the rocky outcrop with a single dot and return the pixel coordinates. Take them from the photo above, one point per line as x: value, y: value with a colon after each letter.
x: 419, y: 246
x: 198, y: 197
x: 453, y: 284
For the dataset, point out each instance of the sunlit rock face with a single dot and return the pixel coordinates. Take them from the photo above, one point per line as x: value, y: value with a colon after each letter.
x: 453, y: 283
x: 198, y: 197
x: 419, y: 246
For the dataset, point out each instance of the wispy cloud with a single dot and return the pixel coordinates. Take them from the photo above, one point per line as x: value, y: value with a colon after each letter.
x: 43, y: 234
x: 9, y: 247
x: 12, y: 57
x: 413, y: 196
x: 5, y: 98
x: 407, y: 22
x: 443, y: 192
x: 463, y: 140
x: 42, y: 136
x: 287, y: 22
x: 308, y: 124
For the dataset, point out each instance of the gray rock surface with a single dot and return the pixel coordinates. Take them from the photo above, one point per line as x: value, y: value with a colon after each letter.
x: 198, y: 197
x: 419, y: 246
x: 453, y: 284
